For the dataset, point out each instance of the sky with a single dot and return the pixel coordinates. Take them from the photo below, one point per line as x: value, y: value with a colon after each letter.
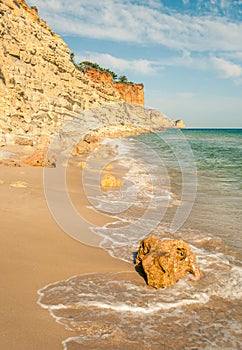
x: 187, y: 53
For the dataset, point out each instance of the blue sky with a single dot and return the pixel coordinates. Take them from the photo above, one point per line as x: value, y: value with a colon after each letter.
x: 188, y: 53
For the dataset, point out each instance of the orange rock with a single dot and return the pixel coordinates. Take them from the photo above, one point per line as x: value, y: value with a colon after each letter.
x: 110, y: 181
x: 82, y: 165
x: 99, y: 76
x: 166, y: 262
x: 109, y: 167
x: 40, y: 157
x: 131, y: 93
x: 84, y: 147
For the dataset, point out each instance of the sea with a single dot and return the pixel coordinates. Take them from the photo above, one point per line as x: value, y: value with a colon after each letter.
x: 177, y: 184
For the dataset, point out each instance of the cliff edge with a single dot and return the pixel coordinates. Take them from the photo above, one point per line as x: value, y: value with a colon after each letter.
x: 40, y: 86
x: 130, y: 92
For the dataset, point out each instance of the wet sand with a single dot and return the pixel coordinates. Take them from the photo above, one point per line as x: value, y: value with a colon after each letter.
x: 35, y: 252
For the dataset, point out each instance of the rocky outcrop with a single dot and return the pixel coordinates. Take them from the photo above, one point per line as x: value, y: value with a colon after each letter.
x: 41, y: 157
x: 129, y: 92
x: 179, y: 124
x: 109, y: 181
x: 166, y: 262
x: 109, y: 121
x: 100, y: 77
x: 40, y: 87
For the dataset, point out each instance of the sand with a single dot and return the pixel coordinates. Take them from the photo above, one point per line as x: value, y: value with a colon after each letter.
x: 35, y: 252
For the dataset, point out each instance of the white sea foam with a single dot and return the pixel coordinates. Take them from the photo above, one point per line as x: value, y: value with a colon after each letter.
x: 97, y: 300
x: 102, y: 306
x: 140, y: 204
x: 152, y: 308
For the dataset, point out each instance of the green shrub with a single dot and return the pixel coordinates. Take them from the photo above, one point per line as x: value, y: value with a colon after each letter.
x: 85, y: 65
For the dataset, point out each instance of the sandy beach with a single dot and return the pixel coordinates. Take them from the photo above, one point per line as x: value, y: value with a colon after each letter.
x: 35, y: 252
x: 107, y: 310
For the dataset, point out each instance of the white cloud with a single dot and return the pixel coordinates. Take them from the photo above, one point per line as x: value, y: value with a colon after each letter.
x: 228, y: 68
x: 143, y: 66
x: 119, y: 64
x: 141, y: 22
x: 196, y: 41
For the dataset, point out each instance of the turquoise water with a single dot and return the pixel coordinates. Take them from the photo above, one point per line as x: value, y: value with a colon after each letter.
x: 217, y: 152
x: 177, y: 184
x: 218, y: 158
x: 218, y: 155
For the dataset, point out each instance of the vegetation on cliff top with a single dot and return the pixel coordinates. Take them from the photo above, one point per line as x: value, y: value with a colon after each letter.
x: 85, y: 65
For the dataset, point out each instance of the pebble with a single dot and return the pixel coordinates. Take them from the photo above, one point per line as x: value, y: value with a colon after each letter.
x: 20, y: 184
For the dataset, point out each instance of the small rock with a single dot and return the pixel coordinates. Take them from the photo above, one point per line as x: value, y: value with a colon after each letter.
x: 109, y: 167
x: 110, y: 181
x: 41, y: 158
x: 20, y: 184
x: 82, y: 165
x: 80, y: 148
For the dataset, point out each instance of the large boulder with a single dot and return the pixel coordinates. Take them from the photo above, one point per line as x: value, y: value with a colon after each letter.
x: 165, y: 262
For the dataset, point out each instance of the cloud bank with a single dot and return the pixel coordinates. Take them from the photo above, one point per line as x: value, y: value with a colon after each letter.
x: 141, y: 23
x: 205, y: 40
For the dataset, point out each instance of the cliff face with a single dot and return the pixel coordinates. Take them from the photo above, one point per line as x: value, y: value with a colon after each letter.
x: 99, y: 77
x: 130, y: 93
x: 40, y: 87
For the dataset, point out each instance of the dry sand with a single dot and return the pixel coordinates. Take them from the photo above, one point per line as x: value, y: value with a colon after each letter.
x: 35, y: 252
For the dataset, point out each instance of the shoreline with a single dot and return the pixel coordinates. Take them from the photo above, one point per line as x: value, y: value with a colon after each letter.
x: 36, y: 252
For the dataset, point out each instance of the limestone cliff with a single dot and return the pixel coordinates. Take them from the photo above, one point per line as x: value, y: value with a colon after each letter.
x: 40, y: 87
x: 178, y: 124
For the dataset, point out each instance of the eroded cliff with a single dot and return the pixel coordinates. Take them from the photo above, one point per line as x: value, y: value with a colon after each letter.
x: 129, y: 92
x: 40, y: 87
